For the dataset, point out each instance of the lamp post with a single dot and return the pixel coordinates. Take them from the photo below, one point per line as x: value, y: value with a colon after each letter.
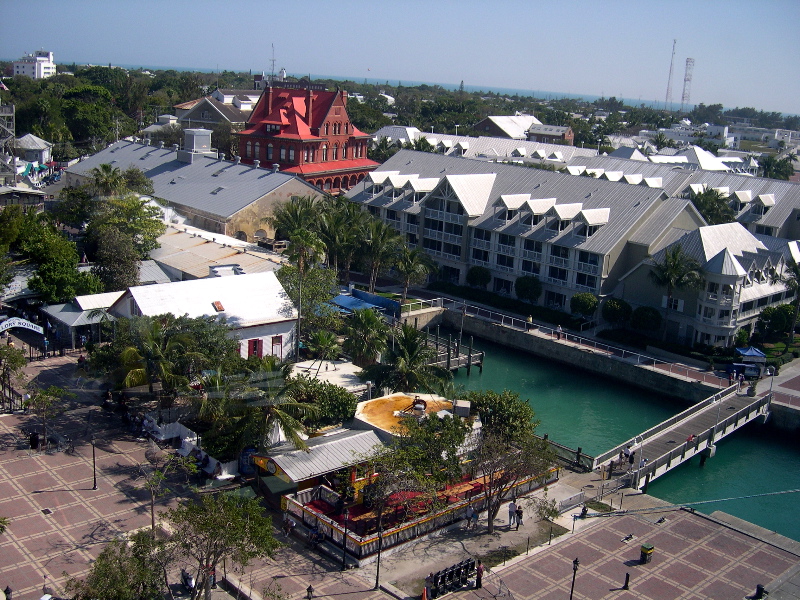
x: 344, y: 540
x: 457, y: 126
x: 94, y: 466
x: 378, y: 567
x: 641, y: 457
x: 575, y: 564
x: 771, y: 373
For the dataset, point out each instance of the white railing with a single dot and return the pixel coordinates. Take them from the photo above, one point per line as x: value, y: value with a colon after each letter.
x: 586, y: 288
x: 504, y: 268
x: 505, y: 249
x: 555, y: 281
x: 532, y: 255
x: 412, y: 228
x: 559, y: 262
x: 587, y: 268
x: 482, y: 244
x: 481, y: 263
x: 444, y: 216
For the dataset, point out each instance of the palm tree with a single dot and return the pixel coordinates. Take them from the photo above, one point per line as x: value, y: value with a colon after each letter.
x: 408, y: 367
x: 155, y: 354
x: 380, y: 246
x: 676, y: 271
x: 323, y: 345
x: 107, y: 180
x: 790, y: 277
x: 366, y: 335
x: 714, y: 207
x: 355, y: 224
x: 304, y: 247
x: 298, y: 214
x: 413, y: 266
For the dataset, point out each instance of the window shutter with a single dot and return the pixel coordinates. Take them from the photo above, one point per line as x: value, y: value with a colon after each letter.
x: 680, y: 305
x: 663, y: 302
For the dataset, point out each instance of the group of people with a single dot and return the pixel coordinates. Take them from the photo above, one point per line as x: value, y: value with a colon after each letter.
x: 471, y: 518
x: 738, y: 378
x: 515, y: 514
x: 627, y: 453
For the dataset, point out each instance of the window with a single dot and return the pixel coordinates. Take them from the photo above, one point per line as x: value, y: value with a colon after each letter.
x: 533, y: 246
x: 764, y: 230
x: 506, y: 240
x: 327, y: 128
x: 480, y: 255
x: 502, y: 286
x: 248, y: 149
x: 505, y: 214
x: 335, y: 151
x: 291, y: 154
x: 269, y: 152
x: 530, y: 219
x: 305, y: 154
x: 391, y: 215
x: 530, y: 267
x: 258, y: 150
x: 412, y: 219
x: 589, y: 281
x: 674, y: 303
x: 312, y: 153
x: 430, y: 244
x: 344, y: 151
x: 776, y: 298
x: 713, y: 288
x: 324, y: 152
x: 505, y: 261
x: 588, y: 258
x: 762, y: 301
x: 452, y: 249
x: 283, y: 152
x: 708, y: 312
x: 559, y: 252
x: 255, y: 348
x: 482, y: 234
x: 557, y: 225
x: 557, y: 273
x: 748, y: 306
x: 277, y: 345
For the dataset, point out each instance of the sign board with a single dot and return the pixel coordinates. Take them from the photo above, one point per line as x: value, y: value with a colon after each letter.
x: 17, y: 322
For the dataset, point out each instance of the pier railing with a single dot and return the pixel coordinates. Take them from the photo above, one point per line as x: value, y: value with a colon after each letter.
x: 664, y: 425
x: 520, y: 324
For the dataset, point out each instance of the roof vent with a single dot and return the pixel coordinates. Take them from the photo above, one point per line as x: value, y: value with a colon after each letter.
x: 147, y: 141
x: 161, y: 144
x: 275, y: 167
x: 237, y: 159
x: 218, y: 306
x: 256, y: 163
x: 175, y: 147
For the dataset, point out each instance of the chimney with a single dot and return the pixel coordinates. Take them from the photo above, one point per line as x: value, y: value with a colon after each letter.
x: 344, y: 98
x: 269, y: 98
x: 237, y: 159
x: 309, y: 106
x: 256, y: 163
x: 275, y: 167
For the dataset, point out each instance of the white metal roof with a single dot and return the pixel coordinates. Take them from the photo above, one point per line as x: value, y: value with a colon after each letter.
x: 473, y: 191
x: 595, y: 216
x: 540, y: 206
x: 566, y: 211
x: 513, y: 201
x: 94, y: 301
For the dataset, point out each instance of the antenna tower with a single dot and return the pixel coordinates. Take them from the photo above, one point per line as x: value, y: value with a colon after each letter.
x: 687, y: 83
x: 8, y: 172
x: 668, y: 97
x: 272, y: 61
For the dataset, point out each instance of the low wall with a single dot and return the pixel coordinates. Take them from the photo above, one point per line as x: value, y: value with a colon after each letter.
x: 424, y: 317
x: 784, y: 417
x: 582, y: 358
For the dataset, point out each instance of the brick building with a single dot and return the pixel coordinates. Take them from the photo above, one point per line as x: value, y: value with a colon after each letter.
x: 306, y: 131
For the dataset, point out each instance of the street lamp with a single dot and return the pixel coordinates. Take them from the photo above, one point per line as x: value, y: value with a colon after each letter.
x: 771, y: 373
x: 94, y: 466
x: 641, y: 458
x: 344, y: 540
x: 457, y: 126
x: 575, y: 564
x: 380, y: 547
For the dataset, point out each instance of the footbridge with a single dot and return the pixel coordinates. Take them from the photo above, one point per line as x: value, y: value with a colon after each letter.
x: 691, y: 432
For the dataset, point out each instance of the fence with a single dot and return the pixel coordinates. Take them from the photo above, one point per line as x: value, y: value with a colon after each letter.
x: 413, y: 305
x: 572, y: 457
x: 612, y: 351
x: 571, y: 502
x: 695, y: 408
x: 10, y: 399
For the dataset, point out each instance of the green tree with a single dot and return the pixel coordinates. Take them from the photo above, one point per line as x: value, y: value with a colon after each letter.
x: 116, y: 260
x: 584, y: 304
x: 432, y: 446
x: 503, y: 414
x: 318, y: 288
x: 661, y: 141
x: 528, y: 288
x: 335, y: 403
x: 479, y: 277
x: 365, y: 336
x: 776, y: 319
x: 413, y: 266
x: 155, y: 473
x: 382, y: 151
x: 777, y: 168
x: 46, y: 403
x: 323, y: 346
x: 75, y: 206
x: 12, y: 361
x: 11, y: 218
x: 714, y: 206
x: 221, y: 527
x: 407, y: 366
x: 132, y: 216
x: 298, y: 214
x: 675, y: 271
x: 107, y: 180
x: 136, y: 181
x: 646, y: 318
x: 616, y: 311
x: 380, y: 247
x: 4, y: 521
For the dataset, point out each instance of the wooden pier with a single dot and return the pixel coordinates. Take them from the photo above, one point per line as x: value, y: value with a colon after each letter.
x: 452, y: 355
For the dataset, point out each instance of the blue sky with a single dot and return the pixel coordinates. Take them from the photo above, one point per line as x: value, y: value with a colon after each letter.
x: 745, y: 51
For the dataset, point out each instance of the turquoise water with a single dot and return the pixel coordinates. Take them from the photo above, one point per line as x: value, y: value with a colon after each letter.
x: 577, y: 408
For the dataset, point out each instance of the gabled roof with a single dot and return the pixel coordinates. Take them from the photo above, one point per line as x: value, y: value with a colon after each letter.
x: 472, y: 190
x: 628, y: 153
x: 31, y: 142
x: 703, y: 158
x: 595, y: 216
x: 513, y: 201
x: 566, y: 212
x: 514, y: 126
x: 247, y: 300
x: 95, y: 301
x: 725, y: 264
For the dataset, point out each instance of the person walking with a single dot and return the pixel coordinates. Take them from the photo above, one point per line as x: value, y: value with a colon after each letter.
x: 479, y: 576
x: 529, y: 323
x: 475, y: 519
x: 559, y: 331
x: 632, y: 459
x: 429, y: 586
x: 731, y: 375
x: 519, y: 517
x: 468, y: 516
x: 741, y: 382
x: 512, y: 513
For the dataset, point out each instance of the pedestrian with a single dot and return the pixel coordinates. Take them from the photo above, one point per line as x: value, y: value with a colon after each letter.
x: 627, y: 451
x: 730, y: 378
x: 468, y: 516
x: 559, y: 331
x: 622, y: 456
x: 475, y: 519
x: 479, y: 576
x: 611, y: 469
x: 643, y: 463
x: 512, y: 513
x: 429, y: 586
x: 741, y: 381
x: 632, y: 459
x: 529, y: 323
x: 519, y: 517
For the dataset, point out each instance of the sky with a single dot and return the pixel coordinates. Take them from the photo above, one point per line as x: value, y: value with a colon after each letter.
x: 745, y: 52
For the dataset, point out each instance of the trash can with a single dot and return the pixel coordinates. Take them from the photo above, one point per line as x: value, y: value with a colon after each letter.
x: 647, y: 554
x: 34, y: 439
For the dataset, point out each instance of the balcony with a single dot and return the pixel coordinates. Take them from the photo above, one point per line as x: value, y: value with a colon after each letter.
x: 444, y: 216
x: 412, y: 228
x: 587, y: 268
x: 559, y: 262
x: 729, y: 322
x: 585, y: 288
x: 504, y: 249
x: 445, y: 237
x: 554, y: 281
x: 530, y: 254
x: 719, y: 299
x: 480, y: 263
x: 504, y: 268
x: 482, y: 244
x: 441, y: 254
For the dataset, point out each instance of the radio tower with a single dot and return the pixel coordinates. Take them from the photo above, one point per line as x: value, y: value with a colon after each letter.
x: 687, y: 83
x: 668, y: 97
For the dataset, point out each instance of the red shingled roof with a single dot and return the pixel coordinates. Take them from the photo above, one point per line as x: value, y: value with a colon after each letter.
x: 332, y: 166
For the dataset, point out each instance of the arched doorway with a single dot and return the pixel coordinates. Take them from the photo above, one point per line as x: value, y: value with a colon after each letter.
x: 241, y: 235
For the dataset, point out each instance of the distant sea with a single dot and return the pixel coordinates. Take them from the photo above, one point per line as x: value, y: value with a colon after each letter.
x: 539, y: 94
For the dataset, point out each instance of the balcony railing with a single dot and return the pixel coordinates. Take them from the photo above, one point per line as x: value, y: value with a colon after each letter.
x: 555, y: 281
x: 505, y: 249
x: 480, y: 263
x: 559, y: 262
x: 531, y: 254
x: 482, y: 244
x: 412, y: 228
x: 444, y: 216
x: 504, y: 268
x: 586, y: 288
x: 587, y: 268
x: 441, y: 235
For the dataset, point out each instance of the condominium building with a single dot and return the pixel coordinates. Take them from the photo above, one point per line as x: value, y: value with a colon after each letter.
x: 38, y: 65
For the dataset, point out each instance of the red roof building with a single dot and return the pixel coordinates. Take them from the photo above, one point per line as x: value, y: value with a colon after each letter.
x: 306, y: 131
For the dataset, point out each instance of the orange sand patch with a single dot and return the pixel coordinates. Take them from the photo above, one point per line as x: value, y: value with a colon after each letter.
x: 380, y: 412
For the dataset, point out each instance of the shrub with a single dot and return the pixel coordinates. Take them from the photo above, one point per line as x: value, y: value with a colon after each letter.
x: 646, y: 318
x: 616, y: 311
x: 583, y: 303
x: 479, y: 277
x: 528, y: 288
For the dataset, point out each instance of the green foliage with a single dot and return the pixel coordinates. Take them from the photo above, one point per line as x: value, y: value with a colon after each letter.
x: 11, y: 218
x: 776, y: 319
x: 714, y: 206
x: 318, y: 289
x: 116, y: 260
x: 413, y: 266
x: 131, y: 216
x: 528, y: 288
x: 137, y: 181
x: 379, y: 249
x: 335, y: 403
x: 479, y: 277
x: 12, y: 361
x: 676, y: 271
x: 431, y: 446
x: 742, y: 338
x: 616, y: 311
x: 75, y: 206
x: 583, y: 303
x: 503, y: 414
x: 646, y: 318
x: 777, y: 168
x: 366, y: 333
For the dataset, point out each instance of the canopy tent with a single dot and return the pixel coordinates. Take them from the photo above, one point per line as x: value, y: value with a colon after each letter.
x: 752, y: 354
x: 349, y: 303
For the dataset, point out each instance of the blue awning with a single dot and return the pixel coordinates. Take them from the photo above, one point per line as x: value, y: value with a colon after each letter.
x: 350, y: 303
x: 751, y: 351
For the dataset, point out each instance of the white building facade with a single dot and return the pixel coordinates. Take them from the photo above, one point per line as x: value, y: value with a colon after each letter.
x: 38, y: 65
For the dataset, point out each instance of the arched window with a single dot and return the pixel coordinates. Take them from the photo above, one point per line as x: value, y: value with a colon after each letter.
x: 324, y: 152
x: 258, y: 150
x: 347, y: 127
x: 335, y: 151
x: 248, y: 149
x: 312, y: 154
x: 283, y: 152
x: 327, y: 126
x: 344, y: 151
x: 305, y: 154
x: 291, y: 153
x: 269, y: 151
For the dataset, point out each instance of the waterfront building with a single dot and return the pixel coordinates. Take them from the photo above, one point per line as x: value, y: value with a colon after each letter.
x: 740, y: 273
x: 307, y: 132
x: 223, y: 197
x: 38, y: 65
x: 576, y: 234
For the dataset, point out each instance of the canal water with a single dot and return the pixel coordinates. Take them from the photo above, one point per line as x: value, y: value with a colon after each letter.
x: 576, y: 408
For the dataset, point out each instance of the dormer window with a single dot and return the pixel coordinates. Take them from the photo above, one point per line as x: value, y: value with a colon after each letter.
x: 557, y: 224
x: 506, y: 214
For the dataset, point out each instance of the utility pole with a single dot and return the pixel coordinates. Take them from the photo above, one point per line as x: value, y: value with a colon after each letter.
x: 668, y: 97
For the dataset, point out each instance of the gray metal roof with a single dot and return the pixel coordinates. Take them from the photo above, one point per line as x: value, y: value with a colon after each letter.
x: 326, y: 454
x: 150, y: 272
x: 627, y: 204
x: 217, y: 187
